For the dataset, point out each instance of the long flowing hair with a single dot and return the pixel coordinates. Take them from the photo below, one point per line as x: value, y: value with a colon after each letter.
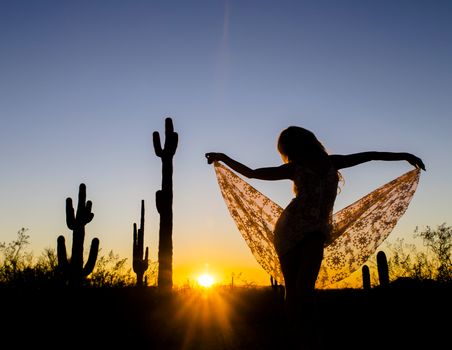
x: 295, y: 143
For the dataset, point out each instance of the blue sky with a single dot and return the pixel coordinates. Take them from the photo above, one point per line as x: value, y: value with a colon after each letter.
x: 83, y: 84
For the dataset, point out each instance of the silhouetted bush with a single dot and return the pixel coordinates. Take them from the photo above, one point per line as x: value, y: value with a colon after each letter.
x: 20, y: 269
x: 111, y: 271
x: 432, y: 263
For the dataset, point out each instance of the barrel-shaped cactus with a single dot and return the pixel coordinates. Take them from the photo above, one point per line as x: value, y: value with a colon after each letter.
x: 164, y: 203
x: 73, y: 270
x: 140, y: 264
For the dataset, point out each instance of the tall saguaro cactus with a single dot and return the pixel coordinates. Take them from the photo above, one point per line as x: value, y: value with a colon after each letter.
x: 164, y: 203
x: 140, y: 265
x: 73, y: 270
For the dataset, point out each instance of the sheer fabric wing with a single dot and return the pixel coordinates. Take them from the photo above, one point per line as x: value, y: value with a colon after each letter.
x: 255, y: 215
x: 358, y: 229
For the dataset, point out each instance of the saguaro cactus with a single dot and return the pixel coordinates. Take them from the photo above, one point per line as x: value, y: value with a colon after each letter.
x: 73, y: 270
x: 164, y: 203
x: 273, y: 283
x: 383, y: 270
x: 140, y: 265
x: 276, y: 287
x: 366, y: 276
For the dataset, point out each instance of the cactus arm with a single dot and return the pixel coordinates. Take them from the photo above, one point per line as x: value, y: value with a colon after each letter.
x: 157, y: 145
x: 146, y: 257
x: 87, y: 214
x: 70, y: 216
x: 135, y: 242
x: 159, y: 201
x: 92, y: 257
x: 61, y: 253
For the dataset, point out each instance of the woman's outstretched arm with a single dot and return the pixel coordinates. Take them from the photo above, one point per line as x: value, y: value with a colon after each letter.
x: 271, y: 173
x: 349, y: 160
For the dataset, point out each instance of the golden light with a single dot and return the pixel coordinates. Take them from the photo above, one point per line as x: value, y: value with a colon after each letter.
x: 205, y: 280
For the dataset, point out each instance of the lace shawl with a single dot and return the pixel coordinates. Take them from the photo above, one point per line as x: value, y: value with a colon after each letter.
x: 358, y: 229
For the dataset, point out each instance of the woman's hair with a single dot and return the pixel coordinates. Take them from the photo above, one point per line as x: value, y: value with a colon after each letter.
x: 295, y: 141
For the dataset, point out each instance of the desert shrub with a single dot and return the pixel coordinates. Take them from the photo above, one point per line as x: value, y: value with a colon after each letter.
x: 428, y: 260
x: 111, y: 271
x: 19, y: 268
x: 431, y: 263
x: 439, y: 244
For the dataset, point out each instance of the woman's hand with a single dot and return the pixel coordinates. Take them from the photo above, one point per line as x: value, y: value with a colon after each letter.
x: 415, y: 161
x: 214, y: 157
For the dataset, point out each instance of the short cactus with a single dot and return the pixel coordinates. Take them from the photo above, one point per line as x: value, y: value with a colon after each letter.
x: 276, y: 287
x: 273, y: 283
x: 140, y: 265
x: 383, y: 269
x: 73, y: 270
x: 366, y: 276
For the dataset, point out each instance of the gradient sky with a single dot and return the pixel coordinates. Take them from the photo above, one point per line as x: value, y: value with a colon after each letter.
x: 83, y: 84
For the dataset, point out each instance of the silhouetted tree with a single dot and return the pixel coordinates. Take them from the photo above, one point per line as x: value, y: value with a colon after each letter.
x: 433, y: 263
x: 15, y: 259
x: 164, y: 203
x: 73, y: 270
x: 439, y: 242
x: 140, y: 264
x: 406, y: 261
x: 19, y: 268
x: 13, y: 252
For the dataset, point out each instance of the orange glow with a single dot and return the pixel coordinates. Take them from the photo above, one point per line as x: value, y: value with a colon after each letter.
x: 186, y: 274
x: 205, y: 316
x: 205, y: 280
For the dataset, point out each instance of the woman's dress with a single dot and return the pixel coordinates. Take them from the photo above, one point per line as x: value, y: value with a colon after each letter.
x: 310, y: 211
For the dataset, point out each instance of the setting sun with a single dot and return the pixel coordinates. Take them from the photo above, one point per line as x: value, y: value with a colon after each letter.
x: 205, y: 280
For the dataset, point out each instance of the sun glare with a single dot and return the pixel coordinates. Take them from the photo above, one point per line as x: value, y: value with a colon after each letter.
x: 205, y: 280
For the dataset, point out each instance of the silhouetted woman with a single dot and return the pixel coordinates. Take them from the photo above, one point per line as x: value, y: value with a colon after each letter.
x: 304, y: 226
